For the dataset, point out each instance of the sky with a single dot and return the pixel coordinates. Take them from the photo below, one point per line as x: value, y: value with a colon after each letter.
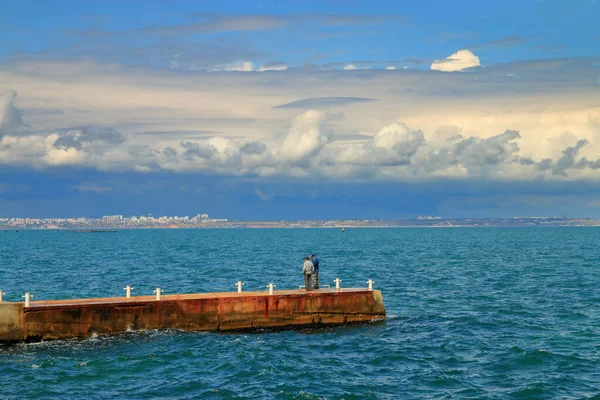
x: 300, y: 110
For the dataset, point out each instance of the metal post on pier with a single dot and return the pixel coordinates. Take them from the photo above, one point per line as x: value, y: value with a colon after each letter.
x: 158, y: 291
x: 271, y: 286
x: 337, y: 283
x: 370, y: 282
x: 239, y: 286
x: 128, y: 290
x: 27, y: 297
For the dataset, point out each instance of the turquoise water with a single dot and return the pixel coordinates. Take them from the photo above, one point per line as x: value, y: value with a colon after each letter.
x: 473, y: 313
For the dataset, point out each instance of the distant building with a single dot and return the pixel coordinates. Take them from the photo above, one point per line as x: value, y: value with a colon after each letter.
x: 112, y: 219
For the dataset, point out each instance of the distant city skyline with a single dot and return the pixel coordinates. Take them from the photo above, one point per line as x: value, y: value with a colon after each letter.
x: 111, y: 221
x: 205, y: 217
x: 203, y: 221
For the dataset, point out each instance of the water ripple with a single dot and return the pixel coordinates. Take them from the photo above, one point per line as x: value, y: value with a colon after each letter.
x: 473, y: 313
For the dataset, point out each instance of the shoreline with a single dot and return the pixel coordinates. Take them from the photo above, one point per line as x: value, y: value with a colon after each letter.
x: 114, y: 229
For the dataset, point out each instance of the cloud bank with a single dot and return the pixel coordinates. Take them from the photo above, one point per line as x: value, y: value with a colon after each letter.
x: 495, y: 123
x: 309, y: 148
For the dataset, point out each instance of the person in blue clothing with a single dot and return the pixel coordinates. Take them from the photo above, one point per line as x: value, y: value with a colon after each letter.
x: 315, y: 273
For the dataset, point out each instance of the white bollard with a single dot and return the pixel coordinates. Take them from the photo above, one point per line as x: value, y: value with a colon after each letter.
x: 239, y: 286
x: 158, y: 291
x: 1, y: 293
x: 128, y: 290
x: 271, y: 286
x: 370, y: 282
x: 337, y: 283
x: 28, y: 297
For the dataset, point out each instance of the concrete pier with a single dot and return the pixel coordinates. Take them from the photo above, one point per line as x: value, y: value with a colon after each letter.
x: 284, y: 309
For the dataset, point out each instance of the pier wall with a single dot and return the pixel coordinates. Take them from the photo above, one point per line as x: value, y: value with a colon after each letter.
x: 11, y: 322
x: 200, y: 312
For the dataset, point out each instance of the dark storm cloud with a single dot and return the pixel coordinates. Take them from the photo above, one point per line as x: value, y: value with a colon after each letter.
x: 86, y: 136
x: 10, y: 117
x: 525, y: 161
x: 585, y: 163
x: 169, y: 152
x: 219, y: 23
x: 567, y: 161
x: 489, y: 151
x: 400, y: 153
x: 324, y: 102
x: 253, y: 148
x: 455, y: 138
x: 195, y: 150
x: 476, y: 152
x: 568, y: 158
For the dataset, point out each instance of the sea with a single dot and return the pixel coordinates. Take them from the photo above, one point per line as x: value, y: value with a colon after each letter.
x: 473, y: 313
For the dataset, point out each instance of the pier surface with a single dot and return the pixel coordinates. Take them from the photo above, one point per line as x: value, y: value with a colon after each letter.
x: 284, y: 309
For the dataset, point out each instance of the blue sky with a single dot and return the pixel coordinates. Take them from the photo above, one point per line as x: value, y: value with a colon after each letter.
x: 299, y: 110
x: 304, y: 32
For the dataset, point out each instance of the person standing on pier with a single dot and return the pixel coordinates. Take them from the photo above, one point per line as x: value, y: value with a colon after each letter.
x: 307, y: 270
x: 315, y: 262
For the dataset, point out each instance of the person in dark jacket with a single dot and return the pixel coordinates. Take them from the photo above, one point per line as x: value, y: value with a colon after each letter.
x: 315, y: 274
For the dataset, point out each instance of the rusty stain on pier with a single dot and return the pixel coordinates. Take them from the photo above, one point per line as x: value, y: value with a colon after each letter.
x: 285, y: 309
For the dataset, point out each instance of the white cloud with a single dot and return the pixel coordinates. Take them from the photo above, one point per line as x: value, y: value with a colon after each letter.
x: 238, y: 66
x: 273, y: 66
x: 392, y: 145
x: 352, y: 66
x: 22, y: 150
x: 225, y: 148
x: 243, y: 66
x: 143, y: 168
x: 306, y: 138
x: 62, y: 155
x: 229, y: 123
x: 458, y: 61
x: 395, y: 144
x: 394, y: 152
x: 391, y: 67
x: 10, y: 117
